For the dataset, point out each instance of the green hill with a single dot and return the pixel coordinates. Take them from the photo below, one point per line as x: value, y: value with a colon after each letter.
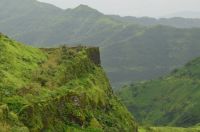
x: 57, y: 89
x: 129, y: 52
x: 172, y: 100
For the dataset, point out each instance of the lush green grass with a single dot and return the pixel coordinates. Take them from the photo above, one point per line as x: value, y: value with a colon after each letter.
x: 172, y: 100
x: 59, y: 89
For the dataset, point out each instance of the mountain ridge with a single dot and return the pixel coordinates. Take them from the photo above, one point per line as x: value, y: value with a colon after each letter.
x: 178, y: 22
x: 185, y: 14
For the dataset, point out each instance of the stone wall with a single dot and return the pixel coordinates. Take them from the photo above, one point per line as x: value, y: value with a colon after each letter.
x: 94, y: 55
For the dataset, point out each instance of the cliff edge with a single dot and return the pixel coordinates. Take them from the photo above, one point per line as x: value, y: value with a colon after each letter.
x: 57, y: 89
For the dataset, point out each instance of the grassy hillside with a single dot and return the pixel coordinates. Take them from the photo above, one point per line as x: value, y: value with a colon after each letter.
x: 129, y: 52
x: 172, y: 100
x: 57, y: 89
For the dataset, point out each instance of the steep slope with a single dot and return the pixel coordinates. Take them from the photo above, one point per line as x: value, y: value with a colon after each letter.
x: 125, y: 47
x: 172, y: 100
x: 57, y: 89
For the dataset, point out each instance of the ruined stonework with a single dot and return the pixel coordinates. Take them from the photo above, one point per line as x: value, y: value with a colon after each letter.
x: 92, y: 52
x: 94, y: 55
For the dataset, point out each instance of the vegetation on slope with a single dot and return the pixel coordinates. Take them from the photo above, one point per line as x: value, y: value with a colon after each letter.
x: 58, y: 89
x: 172, y: 100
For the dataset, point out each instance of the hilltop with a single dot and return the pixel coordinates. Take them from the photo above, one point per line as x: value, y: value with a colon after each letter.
x: 172, y: 100
x: 57, y: 89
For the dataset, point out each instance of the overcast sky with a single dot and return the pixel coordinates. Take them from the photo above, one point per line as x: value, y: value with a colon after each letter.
x: 153, y: 8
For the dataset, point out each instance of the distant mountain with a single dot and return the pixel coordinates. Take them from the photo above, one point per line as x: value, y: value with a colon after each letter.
x: 172, y: 100
x: 130, y: 51
x: 185, y: 14
x: 178, y: 22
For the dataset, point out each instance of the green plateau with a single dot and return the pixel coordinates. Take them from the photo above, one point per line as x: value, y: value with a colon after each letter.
x: 57, y: 89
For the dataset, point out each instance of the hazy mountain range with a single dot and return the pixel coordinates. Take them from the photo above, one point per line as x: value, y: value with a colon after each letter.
x: 184, y: 14
x: 178, y: 22
x: 130, y: 50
